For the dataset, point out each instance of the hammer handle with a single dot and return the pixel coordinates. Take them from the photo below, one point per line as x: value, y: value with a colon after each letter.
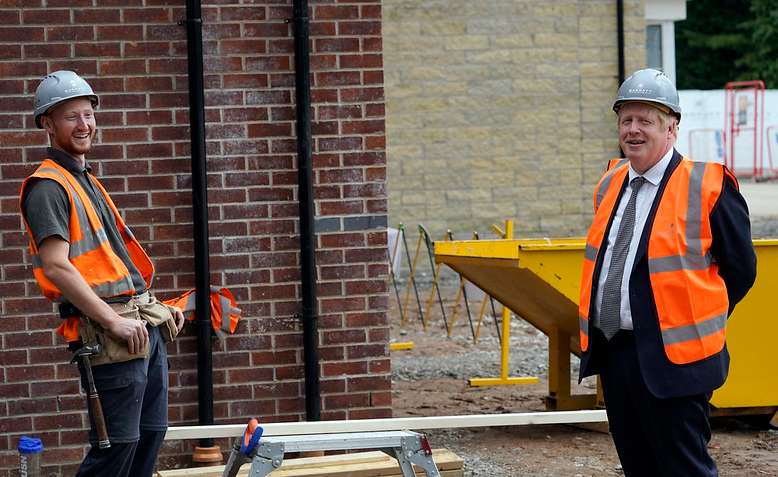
x: 96, y: 410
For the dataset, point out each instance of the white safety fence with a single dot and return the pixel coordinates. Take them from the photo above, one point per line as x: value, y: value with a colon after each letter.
x: 702, y: 135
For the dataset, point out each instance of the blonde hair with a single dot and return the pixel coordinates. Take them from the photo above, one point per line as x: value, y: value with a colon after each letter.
x: 665, y: 118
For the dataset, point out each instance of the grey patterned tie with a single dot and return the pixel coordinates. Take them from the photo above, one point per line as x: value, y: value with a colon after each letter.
x: 610, y: 310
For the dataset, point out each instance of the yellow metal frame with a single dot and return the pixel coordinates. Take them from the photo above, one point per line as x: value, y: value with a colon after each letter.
x: 454, y: 314
x: 505, y: 347
x: 411, y: 278
x: 401, y: 346
x: 481, y: 313
x: 505, y: 352
x: 539, y: 280
x: 431, y: 297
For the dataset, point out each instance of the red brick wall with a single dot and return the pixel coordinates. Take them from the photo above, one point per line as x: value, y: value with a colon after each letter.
x: 135, y: 58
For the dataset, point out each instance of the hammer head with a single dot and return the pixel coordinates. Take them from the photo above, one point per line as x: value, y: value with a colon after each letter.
x: 86, y: 351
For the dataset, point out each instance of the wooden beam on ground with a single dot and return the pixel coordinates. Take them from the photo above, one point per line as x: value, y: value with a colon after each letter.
x: 363, y: 464
x: 392, y: 424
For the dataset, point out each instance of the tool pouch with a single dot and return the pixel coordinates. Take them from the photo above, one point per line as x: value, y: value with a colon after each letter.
x: 144, y: 307
x: 159, y: 316
x: 113, y: 350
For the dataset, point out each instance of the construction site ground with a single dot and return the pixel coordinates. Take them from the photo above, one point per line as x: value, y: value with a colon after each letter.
x: 432, y: 380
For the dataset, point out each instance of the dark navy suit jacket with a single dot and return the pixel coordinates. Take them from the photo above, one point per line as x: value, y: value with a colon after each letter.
x: 732, y: 249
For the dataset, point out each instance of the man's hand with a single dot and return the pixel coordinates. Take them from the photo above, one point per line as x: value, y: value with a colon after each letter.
x: 178, y: 315
x: 54, y: 252
x: 134, y: 332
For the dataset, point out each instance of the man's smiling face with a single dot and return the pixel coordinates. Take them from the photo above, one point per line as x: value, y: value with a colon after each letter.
x: 71, y: 126
x: 644, y: 135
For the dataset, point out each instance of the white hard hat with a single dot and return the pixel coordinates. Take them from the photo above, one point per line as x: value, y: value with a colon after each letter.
x: 58, y: 87
x: 649, y: 86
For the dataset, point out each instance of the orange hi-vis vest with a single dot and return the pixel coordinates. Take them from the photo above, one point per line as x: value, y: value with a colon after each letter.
x: 225, y: 313
x: 690, y: 296
x: 90, y: 251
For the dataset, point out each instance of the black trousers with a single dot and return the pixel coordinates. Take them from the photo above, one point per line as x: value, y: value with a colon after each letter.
x: 134, y: 397
x: 653, y: 437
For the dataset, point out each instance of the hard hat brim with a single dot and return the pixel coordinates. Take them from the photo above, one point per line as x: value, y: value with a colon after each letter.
x: 48, y: 106
x: 656, y: 104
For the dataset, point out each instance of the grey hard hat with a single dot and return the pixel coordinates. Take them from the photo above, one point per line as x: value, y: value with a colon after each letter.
x: 650, y: 86
x: 58, y: 87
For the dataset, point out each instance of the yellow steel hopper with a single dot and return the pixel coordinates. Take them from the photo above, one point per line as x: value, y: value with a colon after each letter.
x: 539, y: 280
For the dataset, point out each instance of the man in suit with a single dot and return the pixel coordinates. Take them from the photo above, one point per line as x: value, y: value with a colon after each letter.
x: 668, y: 256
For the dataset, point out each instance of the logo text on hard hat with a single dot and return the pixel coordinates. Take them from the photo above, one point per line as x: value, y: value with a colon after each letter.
x: 640, y: 90
x: 74, y: 87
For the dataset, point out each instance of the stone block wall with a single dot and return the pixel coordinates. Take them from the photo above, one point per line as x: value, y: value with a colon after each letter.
x: 501, y: 110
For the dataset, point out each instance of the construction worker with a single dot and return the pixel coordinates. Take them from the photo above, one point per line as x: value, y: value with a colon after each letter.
x: 668, y: 256
x: 87, y: 260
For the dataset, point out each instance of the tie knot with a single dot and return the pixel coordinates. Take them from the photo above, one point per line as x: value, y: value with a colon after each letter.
x: 637, y: 182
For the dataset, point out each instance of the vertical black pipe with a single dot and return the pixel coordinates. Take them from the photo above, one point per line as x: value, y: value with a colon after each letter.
x: 305, y: 196
x: 620, y: 33
x: 620, y: 46
x: 194, y: 31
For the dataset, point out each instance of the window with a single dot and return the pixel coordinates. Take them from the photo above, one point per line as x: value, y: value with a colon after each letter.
x: 654, y: 46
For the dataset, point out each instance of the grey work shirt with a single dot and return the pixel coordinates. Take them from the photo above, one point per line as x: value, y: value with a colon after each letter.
x: 47, y: 210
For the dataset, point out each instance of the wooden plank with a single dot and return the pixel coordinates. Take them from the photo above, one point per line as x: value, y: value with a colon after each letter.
x: 353, y: 465
x: 363, y: 464
x: 391, y: 424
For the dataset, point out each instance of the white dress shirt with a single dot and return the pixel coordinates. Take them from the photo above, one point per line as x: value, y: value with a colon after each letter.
x: 643, y: 203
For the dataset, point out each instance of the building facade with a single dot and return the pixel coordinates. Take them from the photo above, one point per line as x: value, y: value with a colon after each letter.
x: 502, y: 110
x: 134, y: 54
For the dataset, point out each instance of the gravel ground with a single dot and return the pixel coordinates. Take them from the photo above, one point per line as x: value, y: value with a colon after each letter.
x: 432, y: 380
x: 764, y: 226
x: 481, y: 360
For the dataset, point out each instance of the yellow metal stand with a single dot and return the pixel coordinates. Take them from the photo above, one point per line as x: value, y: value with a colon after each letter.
x: 455, y: 307
x: 539, y: 279
x: 435, y: 286
x: 412, y: 279
x: 505, y: 353
x: 560, y: 397
x: 481, y: 314
x: 401, y: 346
x: 505, y: 348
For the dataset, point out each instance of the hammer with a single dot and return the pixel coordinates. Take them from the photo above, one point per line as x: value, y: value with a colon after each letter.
x: 95, y: 408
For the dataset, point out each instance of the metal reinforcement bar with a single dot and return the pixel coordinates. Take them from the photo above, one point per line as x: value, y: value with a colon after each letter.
x: 396, y: 424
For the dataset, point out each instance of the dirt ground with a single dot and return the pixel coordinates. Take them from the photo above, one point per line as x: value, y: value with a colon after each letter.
x: 431, y: 380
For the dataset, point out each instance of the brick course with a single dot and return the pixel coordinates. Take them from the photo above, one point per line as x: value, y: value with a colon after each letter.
x: 134, y: 55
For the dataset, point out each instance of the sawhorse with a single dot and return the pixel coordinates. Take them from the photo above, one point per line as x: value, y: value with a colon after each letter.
x: 407, y: 447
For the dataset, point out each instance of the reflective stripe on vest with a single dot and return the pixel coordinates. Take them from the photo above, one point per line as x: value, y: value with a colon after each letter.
x: 605, y: 196
x: 225, y: 313
x: 90, y: 240
x: 690, y: 297
x: 89, y: 251
x: 693, y: 320
x: 605, y: 182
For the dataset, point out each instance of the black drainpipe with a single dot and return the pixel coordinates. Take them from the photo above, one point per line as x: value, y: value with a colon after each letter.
x: 620, y: 32
x: 302, y: 69
x: 620, y: 46
x: 194, y: 31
